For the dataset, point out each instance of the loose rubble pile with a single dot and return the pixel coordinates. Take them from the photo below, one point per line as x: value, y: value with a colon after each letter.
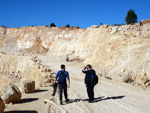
x: 135, y: 30
x: 141, y: 80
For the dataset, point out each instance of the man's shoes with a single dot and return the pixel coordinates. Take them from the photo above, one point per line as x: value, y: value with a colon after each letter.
x: 67, y: 100
x: 61, y: 103
x: 53, y: 94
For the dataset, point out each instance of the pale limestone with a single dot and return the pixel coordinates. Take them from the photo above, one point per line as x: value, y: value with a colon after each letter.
x: 27, y: 86
x: 12, y: 95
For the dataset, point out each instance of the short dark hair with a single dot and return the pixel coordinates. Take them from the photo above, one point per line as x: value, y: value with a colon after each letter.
x: 89, y: 66
x: 62, y: 66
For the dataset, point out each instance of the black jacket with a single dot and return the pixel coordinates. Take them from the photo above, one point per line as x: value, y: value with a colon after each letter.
x: 88, y: 75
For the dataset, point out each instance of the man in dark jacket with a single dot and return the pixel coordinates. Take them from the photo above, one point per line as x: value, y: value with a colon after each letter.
x: 62, y: 75
x: 90, y: 73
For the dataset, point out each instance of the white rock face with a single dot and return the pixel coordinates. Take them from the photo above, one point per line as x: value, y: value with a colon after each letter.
x: 2, y: 106
x: 27, y: 86
x: 109, y: 49
x: 12, y: 95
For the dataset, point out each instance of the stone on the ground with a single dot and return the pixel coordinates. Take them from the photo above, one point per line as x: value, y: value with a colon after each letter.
x: 143, y: 79
x: 147, y: 84
x: 12, y: 95
x: 27, y: 86
x: 2, y: 106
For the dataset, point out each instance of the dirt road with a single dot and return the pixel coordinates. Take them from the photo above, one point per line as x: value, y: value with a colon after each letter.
x: 110, y: 96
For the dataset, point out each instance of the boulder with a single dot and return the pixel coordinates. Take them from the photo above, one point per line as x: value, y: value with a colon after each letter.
x: 147, y: 35
x: 2, y: 106
x: 27, y: 86
x: 137, y: 33
x: 114, y: 31
x: 143, y: 79
x: 12, y: 95
x: 147, y: 84
x: 104, y: 26
x: 94, y: 26
x: 129, y: 33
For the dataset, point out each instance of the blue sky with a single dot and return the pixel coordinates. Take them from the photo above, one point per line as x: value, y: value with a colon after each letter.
x: 82, y: 13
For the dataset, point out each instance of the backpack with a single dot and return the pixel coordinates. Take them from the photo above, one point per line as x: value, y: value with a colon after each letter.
x: 94, y: 80
x: 62, y: 78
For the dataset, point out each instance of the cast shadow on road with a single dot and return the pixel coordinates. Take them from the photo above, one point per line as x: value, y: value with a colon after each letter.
x: 73, y: 100
x: 40, y: 90
x: 96, y: 99
x: 108, y: 98
x: 23, y: 111
x: 25, y: 100
x: 105, y: 98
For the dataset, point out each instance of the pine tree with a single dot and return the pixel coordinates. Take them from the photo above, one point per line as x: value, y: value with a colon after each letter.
x: 131, y: 17
x: 67, y: 25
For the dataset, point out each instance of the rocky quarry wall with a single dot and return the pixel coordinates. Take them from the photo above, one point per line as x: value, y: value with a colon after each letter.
x: 23, y: 67
x: 114, y: 51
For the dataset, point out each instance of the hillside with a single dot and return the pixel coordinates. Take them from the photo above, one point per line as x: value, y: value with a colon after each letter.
x: 115, y: 51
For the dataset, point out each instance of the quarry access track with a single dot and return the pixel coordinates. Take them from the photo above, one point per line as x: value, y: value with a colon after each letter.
x: 110, y: 96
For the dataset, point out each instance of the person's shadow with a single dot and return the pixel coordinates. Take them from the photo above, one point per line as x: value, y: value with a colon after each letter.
x: 108, y: 98
x: 98, y: 99
x: 73, y: 101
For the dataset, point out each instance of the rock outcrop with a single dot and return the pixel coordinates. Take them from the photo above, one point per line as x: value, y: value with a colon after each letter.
x: 25, y: 67
x: 27, y: 86
x: 2, y: 106
x: 143, y: 79
x: 12, y: 95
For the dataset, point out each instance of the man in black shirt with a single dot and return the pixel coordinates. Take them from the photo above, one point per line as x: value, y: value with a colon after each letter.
x: 90, y: 73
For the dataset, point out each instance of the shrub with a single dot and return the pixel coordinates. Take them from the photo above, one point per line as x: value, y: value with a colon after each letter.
x: 52, y: 25
x: 127, y: 79
x: 101, y: 23
x: 67, y: 25
x: 108, y: 78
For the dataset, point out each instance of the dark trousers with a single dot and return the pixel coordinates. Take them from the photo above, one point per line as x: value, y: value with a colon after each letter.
x: 63, y: 88
x: 90, y: 92
x: 55, y: 88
